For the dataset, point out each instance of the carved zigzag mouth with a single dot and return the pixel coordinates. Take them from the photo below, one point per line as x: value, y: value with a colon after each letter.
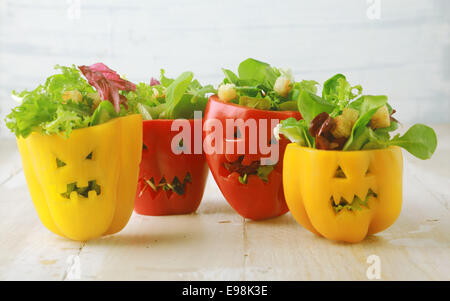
x: 81, y: 191
x: 174, y: 186
x: 244, y: 171
x: 355, y: 204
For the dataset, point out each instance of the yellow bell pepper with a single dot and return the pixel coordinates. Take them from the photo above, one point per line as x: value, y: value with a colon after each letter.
x: 343, y: 195
x: 84, y: 186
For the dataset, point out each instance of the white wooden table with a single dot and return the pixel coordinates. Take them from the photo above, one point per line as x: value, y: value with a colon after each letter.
x: 218, y: 244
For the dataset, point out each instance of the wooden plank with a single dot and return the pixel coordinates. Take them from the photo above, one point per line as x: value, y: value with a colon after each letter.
x: 434, y: 174
x: 29, y: 251
x: 10, y: 161
x: 416, y: 247
x: 202, y: 246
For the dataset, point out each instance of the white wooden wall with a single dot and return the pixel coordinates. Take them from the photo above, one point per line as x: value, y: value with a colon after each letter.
x: 405, y: 53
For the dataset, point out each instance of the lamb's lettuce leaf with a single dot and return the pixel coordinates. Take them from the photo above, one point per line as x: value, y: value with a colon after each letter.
x: 258, y: 72
x: 420, y: 140
x: 311, y: 105
x: 338, y: 91
x: 296, y: 131
x: 368, y: 106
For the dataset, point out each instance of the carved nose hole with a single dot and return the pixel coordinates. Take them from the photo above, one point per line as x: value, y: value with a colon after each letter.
x: 89, y: 157
x: 144, y: 147
x: 340, y: 173
x: 60, y: 163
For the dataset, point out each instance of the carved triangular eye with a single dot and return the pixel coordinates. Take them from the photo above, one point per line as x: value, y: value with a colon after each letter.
x: 60, y: 163
x: 144, y: 147
x: 89, y: 157
x: 340, y: 173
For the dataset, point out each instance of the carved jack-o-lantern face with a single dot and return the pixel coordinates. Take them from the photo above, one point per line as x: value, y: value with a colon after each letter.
x: 169, y: 183
x: 343, y: 196
x: 256, y: 199
x: 76, y: 183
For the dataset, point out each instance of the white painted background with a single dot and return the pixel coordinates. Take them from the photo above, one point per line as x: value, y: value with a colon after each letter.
x: 404, y: 54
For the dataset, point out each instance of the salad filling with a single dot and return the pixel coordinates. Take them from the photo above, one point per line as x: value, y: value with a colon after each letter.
x: 261, y: 86
x: 356, y: 204
x: 169, y: 98
x: 344, y: 119
x: 67, y: 101
x: 244, y: 171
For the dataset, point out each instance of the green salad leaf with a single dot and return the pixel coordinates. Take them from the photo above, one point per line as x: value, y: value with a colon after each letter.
x: 175, y: 92
x: 104, y: 112
x: 255, y: 102
x: 356, y: 205
x: 263, y: 172
x: 230, y: 77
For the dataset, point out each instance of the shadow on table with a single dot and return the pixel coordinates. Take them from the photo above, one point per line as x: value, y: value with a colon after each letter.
x: 215, y: 207
x: 283, y: 220
x: 287, y: 221
x: 144, y: 240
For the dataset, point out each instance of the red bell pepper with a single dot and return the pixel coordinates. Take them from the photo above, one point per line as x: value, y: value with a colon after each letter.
x: 256, y: 199
x: 168, y: 183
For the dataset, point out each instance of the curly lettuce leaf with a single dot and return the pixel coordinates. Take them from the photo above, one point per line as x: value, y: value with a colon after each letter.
x: 65, y: 122
x: 43, y: 110
x: 34, y: 111
x: 52, y: 108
